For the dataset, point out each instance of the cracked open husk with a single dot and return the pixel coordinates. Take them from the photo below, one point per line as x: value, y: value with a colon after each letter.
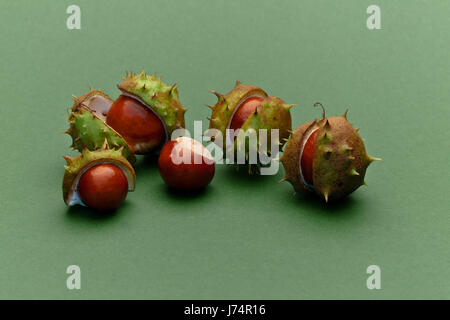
x: 88, y: 128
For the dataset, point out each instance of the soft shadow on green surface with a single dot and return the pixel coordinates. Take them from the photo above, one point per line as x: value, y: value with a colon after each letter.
x: 86, y: 215
x: 313, y: 206
x: 238, y: 175
x: 146, y: 163
x: 313, y: 202
x: 184, y: 195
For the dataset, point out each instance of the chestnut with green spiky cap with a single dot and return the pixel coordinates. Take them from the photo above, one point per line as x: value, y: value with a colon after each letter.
x: 104, y: 158
x: 326, y: 156
x: 156, y: 95
x: 248, y: 108
x: 88, y: 128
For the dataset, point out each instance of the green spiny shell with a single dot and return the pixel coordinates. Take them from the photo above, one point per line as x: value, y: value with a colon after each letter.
x: 158, y: 96
x: 340, y: 159
x: 87, y: 159
x: 88, y: 128
x: 226, y: 105
x: 272, y: 113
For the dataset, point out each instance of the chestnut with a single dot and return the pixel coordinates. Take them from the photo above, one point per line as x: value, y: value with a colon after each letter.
x: 185, y: 164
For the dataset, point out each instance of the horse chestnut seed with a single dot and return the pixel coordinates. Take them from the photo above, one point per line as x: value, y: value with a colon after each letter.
x: 244, y: 111
x: 186, y: 164
x: 141, y: 128
x: 103, y: 187
x: 306, y: 161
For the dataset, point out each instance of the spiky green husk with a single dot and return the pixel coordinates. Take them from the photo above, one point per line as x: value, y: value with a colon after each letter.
x: 340, y: 159
x: 226, y: 104
x: 272, y: 113
x: 89, y: 131
x: 87, y: 159
x: 158, y: 96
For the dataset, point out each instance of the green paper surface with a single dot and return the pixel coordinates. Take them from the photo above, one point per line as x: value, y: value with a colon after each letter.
x: 244, y: 237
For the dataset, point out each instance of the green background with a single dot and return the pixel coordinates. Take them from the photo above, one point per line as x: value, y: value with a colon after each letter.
x: 244, y: 237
